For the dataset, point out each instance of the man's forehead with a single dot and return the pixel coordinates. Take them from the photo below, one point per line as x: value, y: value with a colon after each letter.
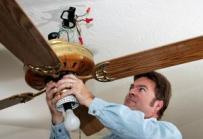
x: 144, y: 81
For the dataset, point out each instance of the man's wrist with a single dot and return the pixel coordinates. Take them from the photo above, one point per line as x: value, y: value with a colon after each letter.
x: 89, y: 101
x: 57, y: 119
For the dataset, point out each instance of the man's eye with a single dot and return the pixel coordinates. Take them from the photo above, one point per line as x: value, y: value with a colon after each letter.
x: 131, y: 86
x: 142, y: 89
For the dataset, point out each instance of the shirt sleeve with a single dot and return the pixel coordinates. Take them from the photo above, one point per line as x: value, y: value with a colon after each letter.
x: 128, y: 123
x: 59, y: 132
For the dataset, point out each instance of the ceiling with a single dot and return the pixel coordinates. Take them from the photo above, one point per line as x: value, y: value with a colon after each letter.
x: 119, y: 28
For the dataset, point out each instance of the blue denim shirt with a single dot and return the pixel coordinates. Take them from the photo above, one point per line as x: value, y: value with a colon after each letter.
x: 124, y: 123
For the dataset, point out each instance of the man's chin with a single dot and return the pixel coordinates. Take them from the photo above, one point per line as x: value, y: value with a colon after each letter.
x: 127, y: 103
x: 130, y: 105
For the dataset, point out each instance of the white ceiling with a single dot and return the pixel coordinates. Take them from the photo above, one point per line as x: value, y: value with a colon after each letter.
x: 119, y: 28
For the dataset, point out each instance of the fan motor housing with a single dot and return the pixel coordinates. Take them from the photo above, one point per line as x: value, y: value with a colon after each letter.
x: 74, y: 58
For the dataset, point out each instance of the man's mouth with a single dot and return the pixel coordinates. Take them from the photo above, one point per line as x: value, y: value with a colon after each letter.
x: 130, y: 100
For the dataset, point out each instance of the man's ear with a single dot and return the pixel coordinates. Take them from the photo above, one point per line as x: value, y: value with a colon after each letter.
x: 158, y: 105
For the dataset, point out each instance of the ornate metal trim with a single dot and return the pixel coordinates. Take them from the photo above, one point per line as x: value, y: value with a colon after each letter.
x: 45, y: 70
x: 101, y: 74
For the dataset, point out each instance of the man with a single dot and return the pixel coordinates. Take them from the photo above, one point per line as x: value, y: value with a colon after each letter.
x: 138, y: 118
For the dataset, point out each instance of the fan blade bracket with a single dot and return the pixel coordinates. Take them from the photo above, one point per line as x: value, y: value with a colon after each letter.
x: 25, y: 97
x: 45, y: 70
x: 101, y: 74
x: 29, y: 96
x: 19, y: 98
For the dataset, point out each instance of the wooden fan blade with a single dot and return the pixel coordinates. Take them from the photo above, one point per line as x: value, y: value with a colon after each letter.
x: 89, y: 124
x: 20, y: 36
x: 16, y: 99
x: 149, y: 60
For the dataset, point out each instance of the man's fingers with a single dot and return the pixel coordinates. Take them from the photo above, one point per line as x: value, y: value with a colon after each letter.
x: 56, y: 98
x: 50, y: 90
x: 67, y: 92
x: 50, y: 85
x: 65, y: 85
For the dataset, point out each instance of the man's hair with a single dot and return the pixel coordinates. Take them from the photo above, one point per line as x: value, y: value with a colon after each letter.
x: 162, y: 88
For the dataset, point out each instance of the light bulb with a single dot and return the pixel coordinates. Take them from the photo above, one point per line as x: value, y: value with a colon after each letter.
x: 71, y: 120
x: 66, y: 105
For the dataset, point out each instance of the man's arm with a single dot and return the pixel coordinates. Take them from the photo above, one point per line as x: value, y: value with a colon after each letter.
x: 120, y: 119
x: 58, y: 130
x: 131, y: 124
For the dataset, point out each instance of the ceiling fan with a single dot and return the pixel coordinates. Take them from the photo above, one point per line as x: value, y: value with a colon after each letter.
x: 43, y: 63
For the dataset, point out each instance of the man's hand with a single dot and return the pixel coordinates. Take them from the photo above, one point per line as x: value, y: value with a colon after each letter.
x: 76, y: 87
x: 52, y: 97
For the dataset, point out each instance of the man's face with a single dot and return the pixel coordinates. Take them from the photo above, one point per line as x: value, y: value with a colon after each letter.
x: 141, y: 97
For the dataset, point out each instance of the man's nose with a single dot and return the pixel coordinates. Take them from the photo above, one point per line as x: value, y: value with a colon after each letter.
x: 132, y: 92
